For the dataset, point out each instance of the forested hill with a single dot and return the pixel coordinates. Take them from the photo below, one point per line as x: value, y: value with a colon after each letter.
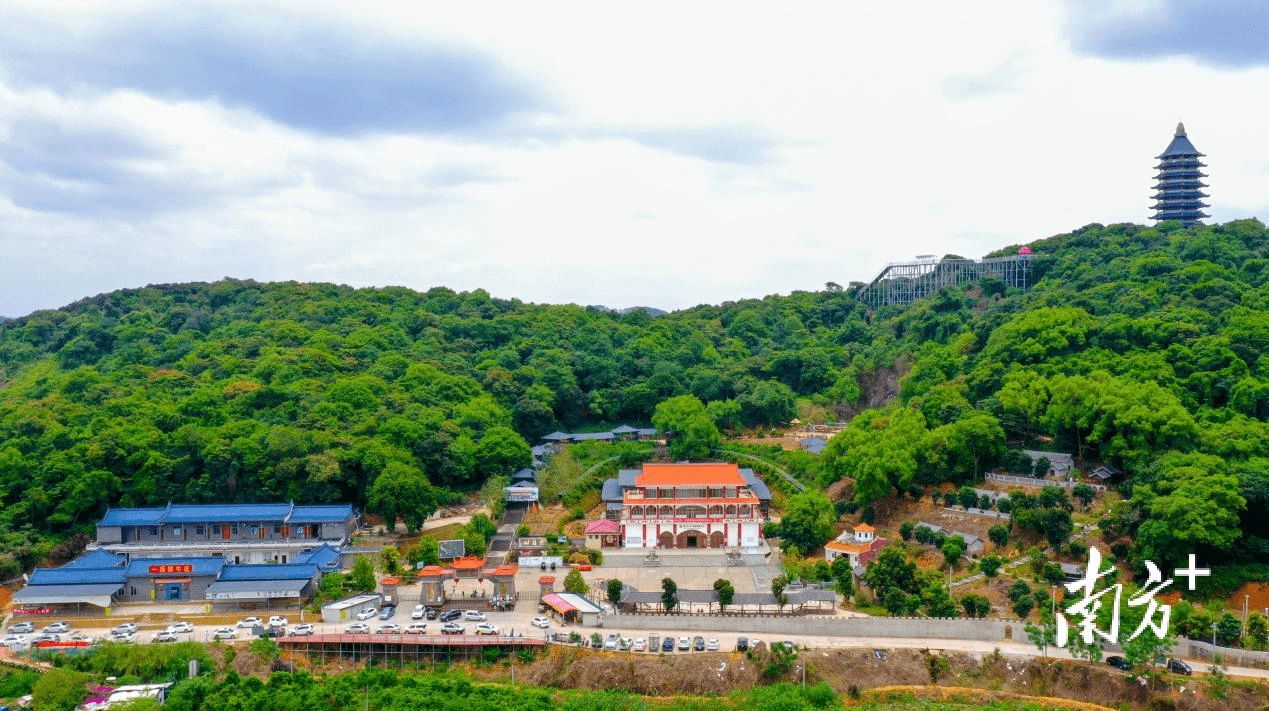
x: 1138, y: 346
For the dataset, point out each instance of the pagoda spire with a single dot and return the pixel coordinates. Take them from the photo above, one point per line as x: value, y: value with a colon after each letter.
x: 1178, y: 188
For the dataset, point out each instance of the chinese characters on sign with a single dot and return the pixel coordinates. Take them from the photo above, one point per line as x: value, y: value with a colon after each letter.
x: 1091, y: 601
x: 173, y: 568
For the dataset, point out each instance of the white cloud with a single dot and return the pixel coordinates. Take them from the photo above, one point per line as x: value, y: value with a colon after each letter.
x: 666, y: 155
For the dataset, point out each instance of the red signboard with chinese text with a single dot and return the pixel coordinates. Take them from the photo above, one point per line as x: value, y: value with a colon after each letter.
x: 174, y: 568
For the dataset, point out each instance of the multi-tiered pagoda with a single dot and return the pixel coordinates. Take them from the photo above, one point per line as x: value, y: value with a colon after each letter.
x: 1179, y: 190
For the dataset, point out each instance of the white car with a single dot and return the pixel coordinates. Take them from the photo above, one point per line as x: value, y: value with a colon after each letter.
x: 225, y: 633
x: 303, y: 629
x: 164, y: 636
x: 125, y: 628
x: 685, y: 643
x: 57, y: 628
x: 123, y: 637
x: 419, y: 612
x: 278, y: 621
x: 486, y: 628
x: 22, y: 628
x: 366, y: 613
x: 640, y: 644
x: 12, y: 640
x: 711, y: 645
x: 540, y: 622
x: 417, y: 628
x: 452, y: 628
x: 474, y: 616
x: 251, y: 622
x: 390, y: 628
x: 181, y: 627
x: 358, y: 628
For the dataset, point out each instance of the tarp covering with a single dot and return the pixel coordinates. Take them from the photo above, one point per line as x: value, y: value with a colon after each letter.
x: 99, y: 594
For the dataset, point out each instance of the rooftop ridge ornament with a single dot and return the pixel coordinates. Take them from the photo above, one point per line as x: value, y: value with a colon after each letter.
x: 1178, y: 190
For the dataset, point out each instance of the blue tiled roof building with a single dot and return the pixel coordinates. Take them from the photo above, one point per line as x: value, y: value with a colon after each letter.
x: 1179, y: 187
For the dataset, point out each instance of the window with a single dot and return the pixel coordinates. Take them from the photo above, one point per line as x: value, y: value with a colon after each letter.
x: 277, y: 528
x: 234, y: 529
x: 134, y: 592
x: 201, y: 531
x: 216, y: 530
x: 176, y: 531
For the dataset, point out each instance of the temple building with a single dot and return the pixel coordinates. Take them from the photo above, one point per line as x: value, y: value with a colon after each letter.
x: 691, y: 506
x: 1178, y: 190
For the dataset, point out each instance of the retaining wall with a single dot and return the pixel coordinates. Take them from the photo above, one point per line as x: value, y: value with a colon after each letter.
x: 910, y: 627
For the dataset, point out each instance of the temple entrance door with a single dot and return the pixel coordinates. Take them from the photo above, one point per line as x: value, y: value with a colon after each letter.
x: 173, y: 591
x: 717, y: 539
x: 691, y: 539
x: 665, y: 540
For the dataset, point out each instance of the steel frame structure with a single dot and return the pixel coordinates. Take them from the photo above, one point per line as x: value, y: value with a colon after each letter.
x: 905, y: 282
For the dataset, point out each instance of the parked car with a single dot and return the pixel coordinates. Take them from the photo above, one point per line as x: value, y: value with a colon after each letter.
x: 57, y: 628
x: 610, y: 643
x: 45, y: 637
x: 742, y: 644
x: 12, y: 640
x: 387, y: 612
x: 640, y: 644
x: 181, y: 627
x: 367, y: 613
x: 451, y: 615
x: 417, y: 628
x: 358, y: 628
x: 711, y: 645
x: 667, y: 644
x: 123, y: 637
x: 1176, y: 666
x: 278, y: 621
x: 22, y: 628
x: 81, y: 637
x: 275, y: 630
x: 418, y: 612
x: 452, y: 628
x: 486, y: 628
x: 1119, y: 663
x: 250, y: 622
x: 475, y: 616
x: 540, y: 622
x: 698, y: 644
x: 125, y: 628
x: 164, y: 636
x: 433, y: 613
x: 225, y: 633
x: 685, y: 643
x: 389, y: 628
x: 304, y: 629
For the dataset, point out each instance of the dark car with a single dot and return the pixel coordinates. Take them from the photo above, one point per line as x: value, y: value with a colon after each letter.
x: 432, y: 612
x: 1176, y: 666
x: 667, y: 645
x: 1119, y: 663
x: 742, y: 644
x: 451, y: 615
x: 387, y: 612
x: 698, y: 644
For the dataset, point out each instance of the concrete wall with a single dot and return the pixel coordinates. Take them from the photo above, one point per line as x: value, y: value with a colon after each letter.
x: 912, y: 627
x: 1195, y: 649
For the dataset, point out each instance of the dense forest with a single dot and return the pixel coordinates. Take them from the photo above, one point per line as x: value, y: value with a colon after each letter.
x: 1140, y: 347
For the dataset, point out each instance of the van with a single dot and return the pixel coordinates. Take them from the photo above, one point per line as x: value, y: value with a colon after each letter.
x: 1176, y: 666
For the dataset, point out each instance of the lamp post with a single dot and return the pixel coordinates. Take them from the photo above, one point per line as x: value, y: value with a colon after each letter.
x: 1246, y: 599
x: 1213, y: 640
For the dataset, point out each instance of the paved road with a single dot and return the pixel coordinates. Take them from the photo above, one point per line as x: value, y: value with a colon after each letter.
x: 518, y: 622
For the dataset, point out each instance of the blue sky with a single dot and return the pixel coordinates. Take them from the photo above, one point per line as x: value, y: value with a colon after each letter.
x: 655, y: 153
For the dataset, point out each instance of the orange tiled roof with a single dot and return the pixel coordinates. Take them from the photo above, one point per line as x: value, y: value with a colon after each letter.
x: 468, y: 563
x: 504, y: 570
x: 712, y: 474
x: 864, y: 527
x: 847, y: 547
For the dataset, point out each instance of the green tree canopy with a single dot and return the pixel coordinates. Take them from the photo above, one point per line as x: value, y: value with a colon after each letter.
x: 693, y: 434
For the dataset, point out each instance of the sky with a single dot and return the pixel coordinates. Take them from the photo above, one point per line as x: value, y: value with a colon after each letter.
x: 661, y: 154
